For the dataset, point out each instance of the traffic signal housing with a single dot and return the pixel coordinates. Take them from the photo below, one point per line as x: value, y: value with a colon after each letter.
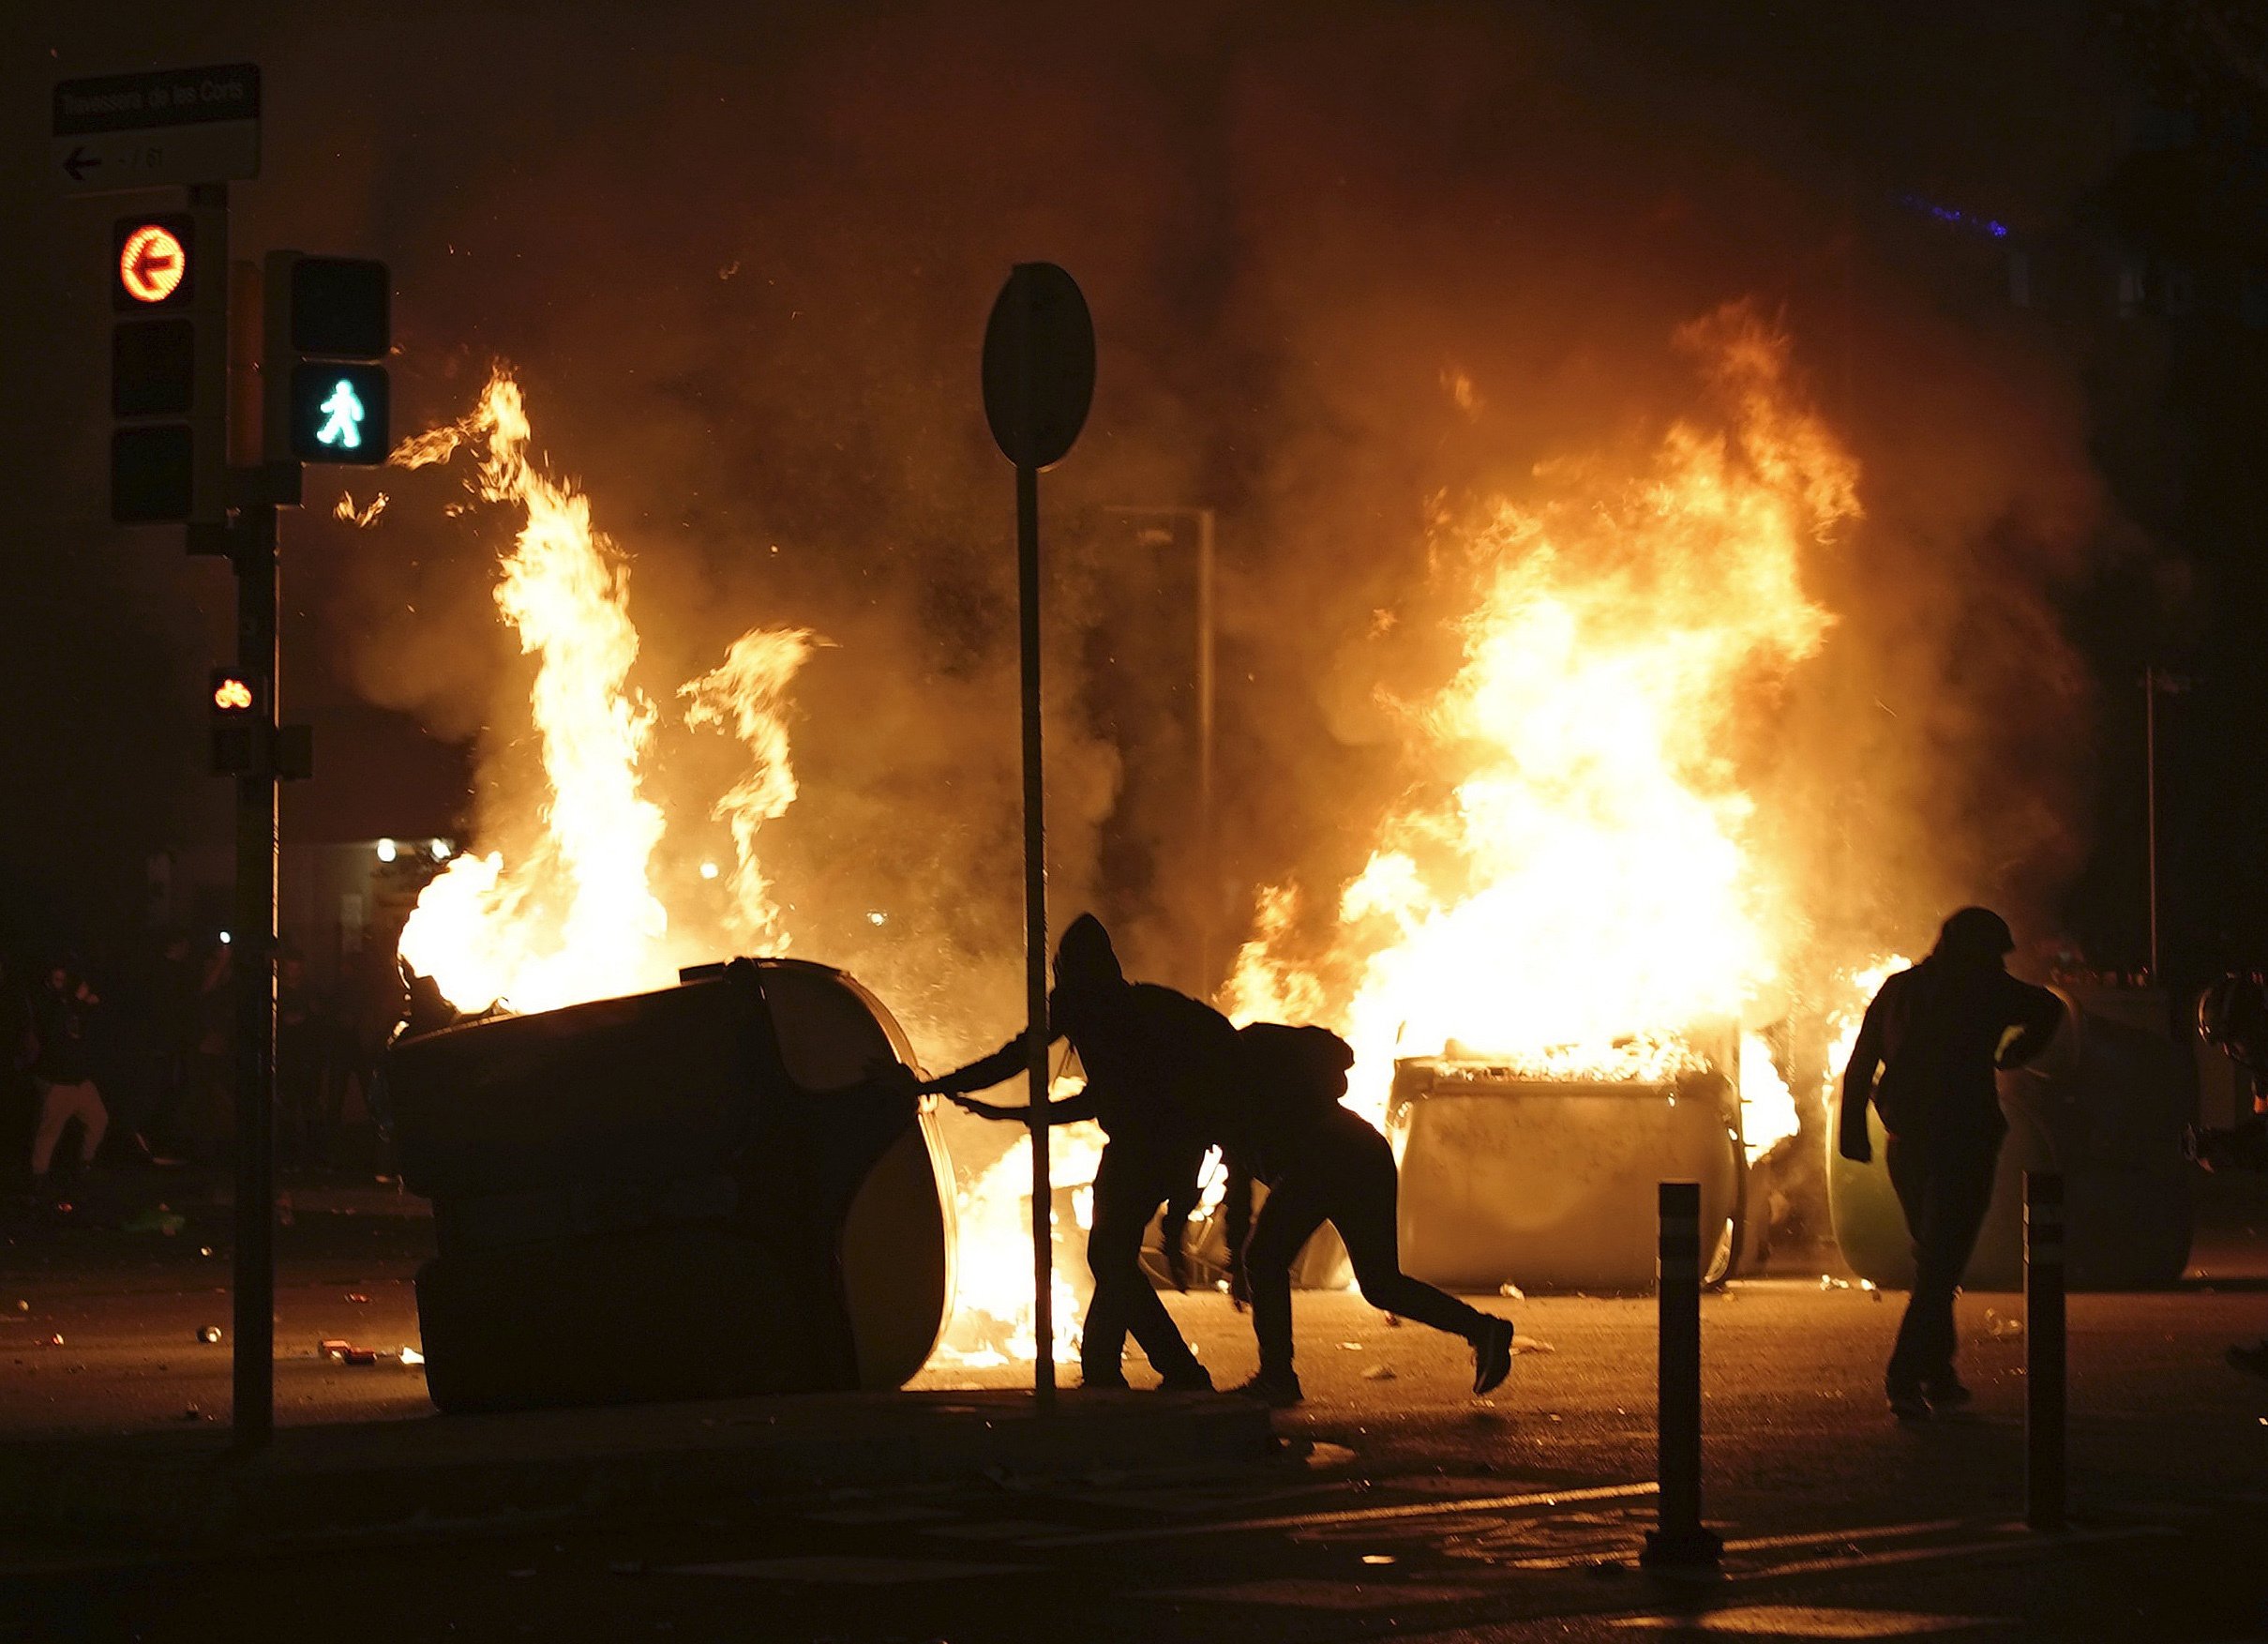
x: 329, y: 322
x: 168, y: 366
x: 239, y: 722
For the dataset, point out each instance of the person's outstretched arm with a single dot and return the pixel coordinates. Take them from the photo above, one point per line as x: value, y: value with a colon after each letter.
x: 2035, y: 1013
x: 1067, y: 1112
x: 1858, y: 1083
x: 986, y: 1071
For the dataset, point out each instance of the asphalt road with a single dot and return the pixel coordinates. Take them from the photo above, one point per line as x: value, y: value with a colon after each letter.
x: 1403, y: 1507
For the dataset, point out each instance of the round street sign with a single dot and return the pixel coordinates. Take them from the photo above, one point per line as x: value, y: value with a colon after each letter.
x: 1039, y: 365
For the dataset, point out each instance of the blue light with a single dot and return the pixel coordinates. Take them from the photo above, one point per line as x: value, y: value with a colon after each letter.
x: 1954, y: 217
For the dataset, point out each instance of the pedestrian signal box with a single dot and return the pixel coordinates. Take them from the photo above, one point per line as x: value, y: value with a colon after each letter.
x: 329, y: 324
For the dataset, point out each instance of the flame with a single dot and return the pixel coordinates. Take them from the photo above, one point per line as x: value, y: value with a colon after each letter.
x: 1580, y: 889
x: 577, y: 919
x: 992, y: 1315
x: 580, y: 918
x: 745, y: 691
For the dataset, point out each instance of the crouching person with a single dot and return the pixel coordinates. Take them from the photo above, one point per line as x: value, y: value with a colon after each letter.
x: 1324, y: 1163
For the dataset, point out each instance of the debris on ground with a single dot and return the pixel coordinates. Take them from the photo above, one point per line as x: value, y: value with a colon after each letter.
x: 161, y: 1219
x: 1528, y: 1344
x: 1379, y: 1373
x: 346, y: 1353
x: 209, y: 1334
x: 2001, y: 1329
x: 1511, y: 1291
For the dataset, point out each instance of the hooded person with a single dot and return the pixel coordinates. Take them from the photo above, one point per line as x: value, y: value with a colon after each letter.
x: 1935, y: 1034
x: 1151, y: 1056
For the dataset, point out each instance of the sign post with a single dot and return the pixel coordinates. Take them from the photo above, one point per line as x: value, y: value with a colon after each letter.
x: 1039, y: 374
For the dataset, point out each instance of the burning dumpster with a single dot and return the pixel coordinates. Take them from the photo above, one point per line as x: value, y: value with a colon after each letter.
x: 697, y: 1192
x: 1549, y: 1183
x: 2109, y: 1103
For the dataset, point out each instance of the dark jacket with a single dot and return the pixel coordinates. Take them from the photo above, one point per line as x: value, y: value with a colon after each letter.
x: 1151, y: 1057
x: 1936, y: 1032
x: 60, y: 1022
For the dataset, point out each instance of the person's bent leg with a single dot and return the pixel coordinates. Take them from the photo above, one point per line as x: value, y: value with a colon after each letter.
x: 94, y: 1118
x: 1910, y: 1357
x: 54, y: 1113
x: 1287, y: 1221
x: 1961, y: 1192
x: 1113, y: 1241
x: 1364, y: 1189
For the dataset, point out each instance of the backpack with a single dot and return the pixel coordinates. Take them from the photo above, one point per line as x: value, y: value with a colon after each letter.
x: 1302, y: 1068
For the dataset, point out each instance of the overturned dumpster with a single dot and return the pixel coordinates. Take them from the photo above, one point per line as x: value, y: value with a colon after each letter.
x: 720, y: 1188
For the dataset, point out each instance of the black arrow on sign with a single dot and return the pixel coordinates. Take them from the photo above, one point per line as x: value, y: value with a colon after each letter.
x: 80, y: 162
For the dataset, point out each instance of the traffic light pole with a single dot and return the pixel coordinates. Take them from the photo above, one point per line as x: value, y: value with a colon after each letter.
x: 254, y: 549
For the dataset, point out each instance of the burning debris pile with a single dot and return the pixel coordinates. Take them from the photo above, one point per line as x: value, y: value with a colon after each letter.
x: 1574, y: 887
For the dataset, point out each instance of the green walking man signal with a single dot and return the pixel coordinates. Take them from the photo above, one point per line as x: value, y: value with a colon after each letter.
x: 343, y: 430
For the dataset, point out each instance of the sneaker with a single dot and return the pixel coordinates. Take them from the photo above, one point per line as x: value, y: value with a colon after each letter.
x: 1492, y: 1356
x: 1193, y: 1378
x: 1908, y: 1404
x: 1278, y: 1390
x: 1946, y: 1395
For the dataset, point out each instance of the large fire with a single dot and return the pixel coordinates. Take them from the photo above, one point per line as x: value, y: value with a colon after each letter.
x: 578, y: 917
x: 1575, y: 887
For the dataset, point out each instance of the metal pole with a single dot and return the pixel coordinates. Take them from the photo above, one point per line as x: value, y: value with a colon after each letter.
x: 1679, y: 1537
x: 2150, y: 788
x: 251, y: 543
x: 1207, y: 838
x: 2045, y: 1354
x: 1035, y: 938
x: 253, y: 959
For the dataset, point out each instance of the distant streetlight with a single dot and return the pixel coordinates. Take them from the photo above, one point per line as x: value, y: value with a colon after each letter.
x: 442, y: 849
x: 387, y: 851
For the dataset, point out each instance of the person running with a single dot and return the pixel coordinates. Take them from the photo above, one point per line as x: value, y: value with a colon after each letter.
x: 1935, y: 1035
x: 1323, y: 1162
x: 63, y: 1068
x: 1148, y: 1052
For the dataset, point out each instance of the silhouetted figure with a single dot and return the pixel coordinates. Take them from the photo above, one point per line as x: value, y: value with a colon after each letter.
x: 63, y: 1068
x: 1936, y: 1032
x: 1148, y: 1053
x: 307, y: 1113
x: 1324, y: 1163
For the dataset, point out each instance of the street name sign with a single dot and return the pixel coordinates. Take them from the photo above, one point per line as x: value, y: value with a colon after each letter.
x: 124, y: 132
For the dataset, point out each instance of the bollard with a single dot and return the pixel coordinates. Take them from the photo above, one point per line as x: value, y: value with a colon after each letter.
x: 1679, y: 1537
x: 2044, y: 1349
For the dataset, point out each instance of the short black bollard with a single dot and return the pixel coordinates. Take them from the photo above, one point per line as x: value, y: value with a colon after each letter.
x: 1679, y: 1537
x: 2044, y: 1350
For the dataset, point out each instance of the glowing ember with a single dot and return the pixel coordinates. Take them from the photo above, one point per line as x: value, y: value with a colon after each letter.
x: 1580, y: 890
